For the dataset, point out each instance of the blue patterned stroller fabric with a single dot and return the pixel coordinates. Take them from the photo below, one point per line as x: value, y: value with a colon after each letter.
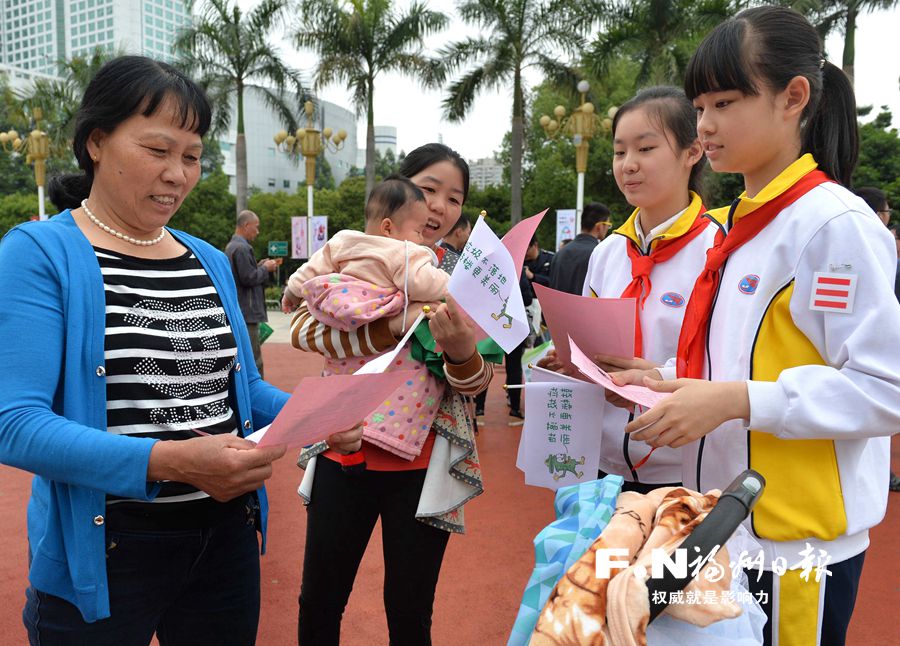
x: 582, y: 512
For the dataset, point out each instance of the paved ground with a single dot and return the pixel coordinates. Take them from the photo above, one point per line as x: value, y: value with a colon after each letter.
x: 484, y: 572
x: 281, y: 328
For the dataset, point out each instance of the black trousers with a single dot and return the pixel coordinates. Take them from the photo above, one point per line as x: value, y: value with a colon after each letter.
x: 514, y: 376
x: 836, y: 608
x: 480, y: 400
x: 340, y: 520
x: 253, y: 331
x: 189, y: 586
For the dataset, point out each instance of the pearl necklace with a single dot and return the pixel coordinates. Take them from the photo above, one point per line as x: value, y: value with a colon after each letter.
x: 119, y: 234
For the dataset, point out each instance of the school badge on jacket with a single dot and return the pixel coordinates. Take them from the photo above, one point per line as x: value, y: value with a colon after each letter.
x: 672, y: 299
x: 748, y: 284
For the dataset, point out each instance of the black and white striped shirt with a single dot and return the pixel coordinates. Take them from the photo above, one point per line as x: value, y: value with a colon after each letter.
x: 169, y: 353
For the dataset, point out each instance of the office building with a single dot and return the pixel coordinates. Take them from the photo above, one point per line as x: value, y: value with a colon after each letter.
x: 485, y: 172
x: 36, y: 34
x: 272, y: 170
x: 386, y: 139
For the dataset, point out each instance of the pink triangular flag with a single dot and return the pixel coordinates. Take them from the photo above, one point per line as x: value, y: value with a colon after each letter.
x: 516, y: 239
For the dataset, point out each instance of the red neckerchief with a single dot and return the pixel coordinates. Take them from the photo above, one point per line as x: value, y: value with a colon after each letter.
x: 641, y: 266
x: 694, y: 328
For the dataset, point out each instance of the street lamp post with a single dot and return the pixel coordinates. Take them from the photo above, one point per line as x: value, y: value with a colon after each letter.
x: 581, y: 125
x: 37, y: 149
x: 310, y: 143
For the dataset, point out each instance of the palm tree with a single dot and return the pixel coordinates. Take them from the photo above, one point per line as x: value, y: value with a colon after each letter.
x: 660, y: 35
x: 228, y: 50
x: 829, y: 15
x: 359, y: 39
x: 514, y: 35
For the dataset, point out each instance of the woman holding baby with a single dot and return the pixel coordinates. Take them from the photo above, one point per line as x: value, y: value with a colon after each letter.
x: 419, y: 500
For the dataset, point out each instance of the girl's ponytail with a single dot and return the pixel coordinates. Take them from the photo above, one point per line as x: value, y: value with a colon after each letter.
x: 832, y: 132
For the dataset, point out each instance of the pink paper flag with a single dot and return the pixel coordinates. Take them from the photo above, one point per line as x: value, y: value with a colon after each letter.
x: 599, y: 325
x: 321, y: 406
x: 517, y: 239
x: 640, y: 395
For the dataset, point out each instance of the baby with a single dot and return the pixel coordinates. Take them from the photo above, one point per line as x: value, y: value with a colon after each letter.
x: 360, y: 277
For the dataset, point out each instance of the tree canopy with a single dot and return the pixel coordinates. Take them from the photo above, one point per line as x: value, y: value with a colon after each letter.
x: 358, y: 40
x: 226, y: 50
x: 514, y: 36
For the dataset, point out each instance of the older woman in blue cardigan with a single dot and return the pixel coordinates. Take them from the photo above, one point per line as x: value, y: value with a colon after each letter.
x: 128, y: 385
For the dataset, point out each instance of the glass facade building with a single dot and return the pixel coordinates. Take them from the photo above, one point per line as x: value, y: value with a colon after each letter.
x: 35, y: 34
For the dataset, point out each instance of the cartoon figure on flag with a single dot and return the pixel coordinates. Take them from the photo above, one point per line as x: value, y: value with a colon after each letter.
x: 560, y: 464
x: 485, y: 282
x: 560, y: 445
x: 502, y: 314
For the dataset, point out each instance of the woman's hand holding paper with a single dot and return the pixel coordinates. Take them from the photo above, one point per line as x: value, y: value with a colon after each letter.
x: 625, y: 371
x: 346, y: 441
x: 551, y: 361
x: 634, y: 376
x: 611, y: 364
x: 453, y: 330
x: 224, y: 466
x: 695, y: 408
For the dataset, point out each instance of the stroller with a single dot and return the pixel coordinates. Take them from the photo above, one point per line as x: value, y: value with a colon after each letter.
x: 734, y: 505
x: 584, y: 603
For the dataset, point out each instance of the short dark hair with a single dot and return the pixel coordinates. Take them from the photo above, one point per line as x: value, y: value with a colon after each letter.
x: 772, y: 45
x: 430, y: 154
x: 592, y: 214
x: 388, y: 196
x: 122, y: 88
x: 670, y: 110
x: 462, y: 223
x: 874, y: 197
x: 245, y: 217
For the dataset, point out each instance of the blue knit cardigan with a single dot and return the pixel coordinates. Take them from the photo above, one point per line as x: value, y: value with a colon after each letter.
x: 53, y: 401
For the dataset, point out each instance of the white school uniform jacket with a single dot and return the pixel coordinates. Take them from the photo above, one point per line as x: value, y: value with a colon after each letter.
x: 609, y: 273
x: 807, y: 315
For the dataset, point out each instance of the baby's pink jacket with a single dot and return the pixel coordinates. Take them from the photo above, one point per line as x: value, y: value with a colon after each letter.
x: 379, y: 260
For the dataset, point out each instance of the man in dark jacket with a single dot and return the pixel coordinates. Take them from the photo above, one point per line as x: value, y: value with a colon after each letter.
x: 537, y: 263
x: 569, y: 266
x: 250, y: 277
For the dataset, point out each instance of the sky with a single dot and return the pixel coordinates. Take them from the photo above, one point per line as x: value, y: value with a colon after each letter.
x: 417, y: 113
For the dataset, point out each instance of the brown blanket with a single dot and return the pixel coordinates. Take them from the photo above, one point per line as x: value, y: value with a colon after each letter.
x: 586, y: 610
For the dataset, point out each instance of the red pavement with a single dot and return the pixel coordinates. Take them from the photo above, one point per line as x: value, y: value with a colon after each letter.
x: 484, y: 571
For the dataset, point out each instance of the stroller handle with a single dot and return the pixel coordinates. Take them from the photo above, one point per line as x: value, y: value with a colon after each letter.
x: 734, y: 505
